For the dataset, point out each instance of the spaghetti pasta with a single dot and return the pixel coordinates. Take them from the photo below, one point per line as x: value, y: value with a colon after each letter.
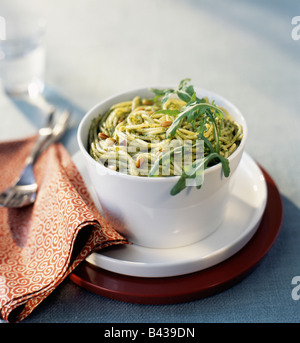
x: 133, y: 137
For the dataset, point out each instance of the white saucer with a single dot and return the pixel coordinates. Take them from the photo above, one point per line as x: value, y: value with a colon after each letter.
x: 245, y: 209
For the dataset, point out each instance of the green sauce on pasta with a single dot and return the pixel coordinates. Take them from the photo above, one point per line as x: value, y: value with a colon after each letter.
x: 133, y: 135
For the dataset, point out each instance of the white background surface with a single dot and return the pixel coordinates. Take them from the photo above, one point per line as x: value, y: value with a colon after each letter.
x: 242, y: 50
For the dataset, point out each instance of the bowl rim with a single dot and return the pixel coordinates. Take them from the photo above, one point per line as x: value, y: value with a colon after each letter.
x: 172, y: 178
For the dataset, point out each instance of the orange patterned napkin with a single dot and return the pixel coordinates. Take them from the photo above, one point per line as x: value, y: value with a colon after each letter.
x: 42, y: 243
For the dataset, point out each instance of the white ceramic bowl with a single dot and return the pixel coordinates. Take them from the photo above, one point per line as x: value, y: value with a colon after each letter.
x: 142, y: 209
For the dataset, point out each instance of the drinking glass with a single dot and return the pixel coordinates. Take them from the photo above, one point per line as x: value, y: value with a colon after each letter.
x: 22, y: 55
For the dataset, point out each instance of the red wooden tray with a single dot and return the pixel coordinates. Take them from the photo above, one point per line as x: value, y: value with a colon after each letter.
x: 193, y: 286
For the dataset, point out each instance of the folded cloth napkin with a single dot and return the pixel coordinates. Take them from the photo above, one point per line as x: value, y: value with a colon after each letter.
x: 41, y: 244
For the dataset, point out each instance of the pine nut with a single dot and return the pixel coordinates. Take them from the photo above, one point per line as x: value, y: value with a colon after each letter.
x: 102, y: 135
x: 139, y: 162
x: 166, y: 123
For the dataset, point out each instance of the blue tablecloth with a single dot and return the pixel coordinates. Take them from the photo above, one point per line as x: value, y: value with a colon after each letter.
x: 246, y: 51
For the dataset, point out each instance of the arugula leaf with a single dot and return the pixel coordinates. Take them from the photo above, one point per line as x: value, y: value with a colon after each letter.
x: 195, y: 108
x: 207, y: 142
x: 183, y: 96
x: 161, y: 93
x: 198, y: 167
x: 223, y: 160
x: 182, y: 182
x: 191, y: 112
x: 180, y: 185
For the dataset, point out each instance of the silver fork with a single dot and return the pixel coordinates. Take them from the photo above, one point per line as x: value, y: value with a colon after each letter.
x: 24, y: 191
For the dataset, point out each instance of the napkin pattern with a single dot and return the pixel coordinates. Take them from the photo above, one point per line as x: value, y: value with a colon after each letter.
x: 42, y: 243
